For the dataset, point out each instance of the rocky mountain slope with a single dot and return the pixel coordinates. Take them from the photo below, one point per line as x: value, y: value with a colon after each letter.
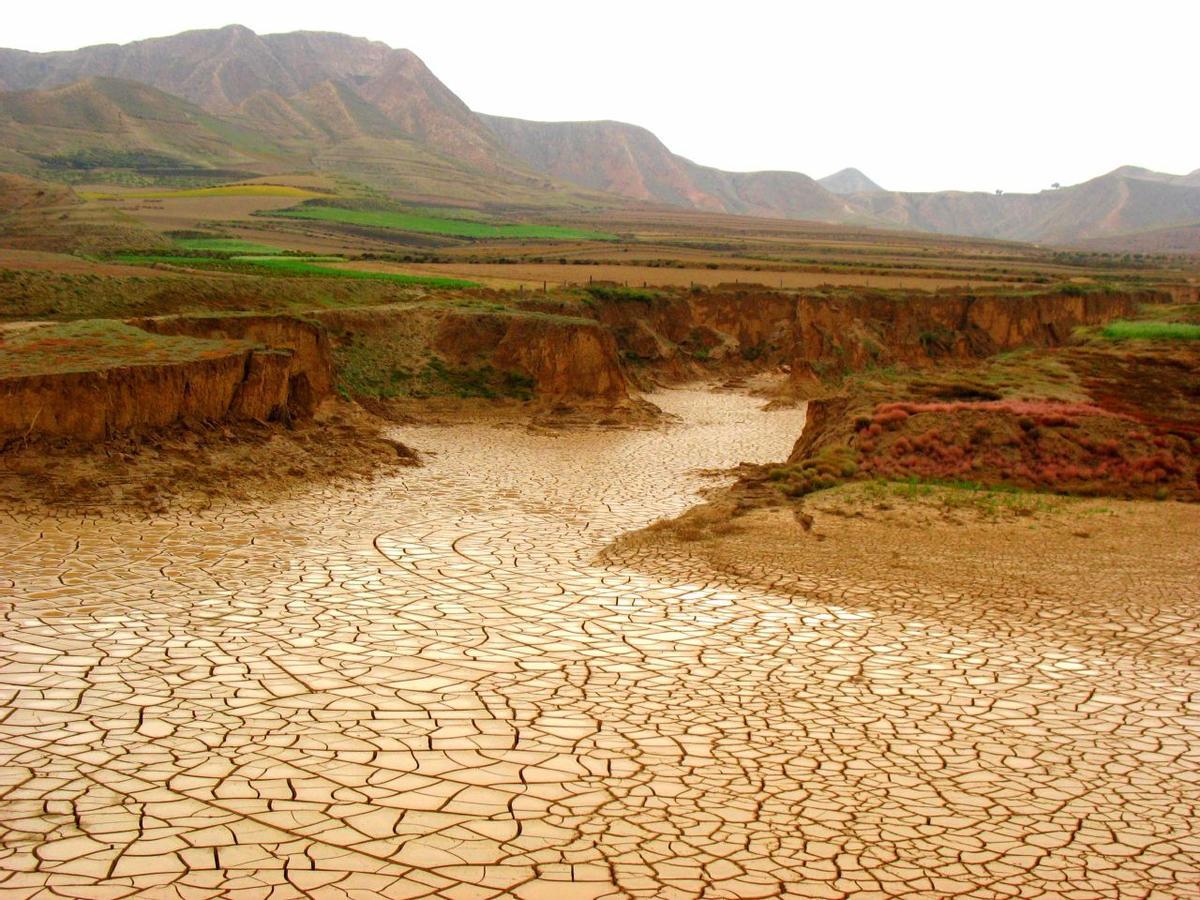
x: 232, y: 70
x: 631, y: 161
x: 229, y: 96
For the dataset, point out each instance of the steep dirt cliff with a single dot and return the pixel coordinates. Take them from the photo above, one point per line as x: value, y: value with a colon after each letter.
x: 310, y: 360
x: 93, y: 379
x: 567, y: 360
x: 90, y: 406
x: 853, y: 332
x: 434, y: 350
x: 818, y: 334
x: 565, y: 353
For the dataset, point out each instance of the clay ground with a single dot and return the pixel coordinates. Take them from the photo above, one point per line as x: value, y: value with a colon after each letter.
x: 440, y: 683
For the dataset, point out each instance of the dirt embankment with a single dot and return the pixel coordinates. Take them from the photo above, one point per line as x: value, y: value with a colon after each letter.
x: 1093, y: 420
x: 1183, y: 293
x: 569, y: 361
x: 418, y: 352
x: 563, y: 355
x: 828, y: 334
x: 20, y: 193
x: 852, y: 333
x: 90, y: 406
x: 262, y: 369
x: 310, y: 362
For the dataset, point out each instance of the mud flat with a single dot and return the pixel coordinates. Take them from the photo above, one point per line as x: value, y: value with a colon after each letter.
x: 433, y: 686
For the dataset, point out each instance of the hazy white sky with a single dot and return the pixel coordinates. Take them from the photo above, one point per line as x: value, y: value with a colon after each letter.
x: 919, y: 95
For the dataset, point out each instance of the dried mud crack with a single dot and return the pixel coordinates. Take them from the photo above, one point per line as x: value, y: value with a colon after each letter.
x: 431, y: 686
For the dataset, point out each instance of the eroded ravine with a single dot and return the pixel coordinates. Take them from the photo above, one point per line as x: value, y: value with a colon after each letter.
x: 431, y: 688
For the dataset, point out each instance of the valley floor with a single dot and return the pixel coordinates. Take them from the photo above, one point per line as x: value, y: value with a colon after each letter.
x: 443, y: 684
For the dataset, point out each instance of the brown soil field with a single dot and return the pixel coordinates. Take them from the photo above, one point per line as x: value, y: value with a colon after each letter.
x: 173, y: 213
x: 532, y: 275
x: 65, y: 263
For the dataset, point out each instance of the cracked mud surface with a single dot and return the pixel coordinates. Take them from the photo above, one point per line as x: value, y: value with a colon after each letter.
x: 431, y: 688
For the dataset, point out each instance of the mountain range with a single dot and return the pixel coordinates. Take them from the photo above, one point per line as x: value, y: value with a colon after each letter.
x: 230, y: 99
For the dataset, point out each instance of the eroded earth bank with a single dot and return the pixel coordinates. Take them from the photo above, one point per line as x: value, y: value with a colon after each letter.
x: 442, y: 684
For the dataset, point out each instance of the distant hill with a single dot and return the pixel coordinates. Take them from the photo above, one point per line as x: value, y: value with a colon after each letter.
x: 230, y: 98
x: 233, y: 72
x: 406, y: 140
x: 18, y: 194
x: 1124, y: 201
x: 1181, y: 239
x: 631, y: 161
x: 849, y: 181
x: 111, y: 122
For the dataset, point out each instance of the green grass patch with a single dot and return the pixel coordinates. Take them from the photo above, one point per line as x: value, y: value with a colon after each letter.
x: 380, y: 371
x: 227, y: 245
x: 427, y: 224
x: 1151, y: 331
x: 93, y: 344
x: 292, y: 266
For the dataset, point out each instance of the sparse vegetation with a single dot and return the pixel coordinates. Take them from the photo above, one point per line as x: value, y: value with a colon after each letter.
x: 825, y: 469
x: 380, y: 369
x: 617, y: 294
x: 89, y: 345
